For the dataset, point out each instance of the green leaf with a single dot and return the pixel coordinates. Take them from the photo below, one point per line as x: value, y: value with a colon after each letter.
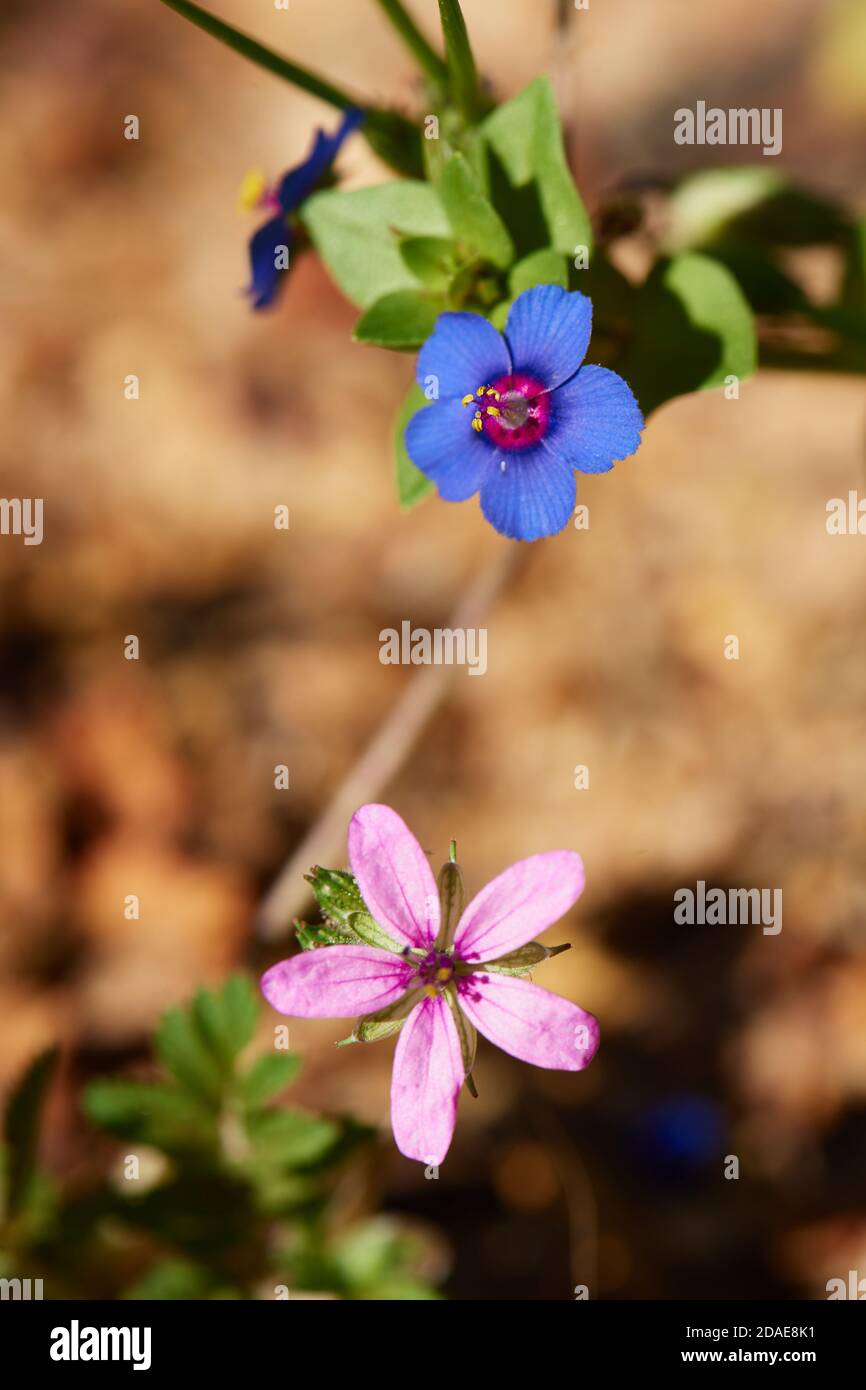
x: 372, y: 934
x: 291, y: 1139
x: 463, y: 77
x: 694, y: 328
x: 354, y: 233
x: 268, y: 1076
x: 545, y: 267
x: 227, y: 1019
x: 181, y: 1046
x: 402, y: 321
x: 473, y: 218
x: 431, y: 259
x: 412, y: 485
x: 704, y: 203
x: 162, y: 1116
x: 530, y: 181
x: 22, y: 1128
x: 172, y: 1280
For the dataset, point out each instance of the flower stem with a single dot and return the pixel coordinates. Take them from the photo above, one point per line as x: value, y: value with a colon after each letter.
x: 461, y: 64
x: 394, y: 138
x: 425, y: 55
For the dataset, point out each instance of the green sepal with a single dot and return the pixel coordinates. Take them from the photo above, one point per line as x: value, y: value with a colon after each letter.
x: 523, y: 960
x: 369, y: 931
x: 373, y: 1027
x: 338, y: 896
x: 452, y: 897
x: 309, y: 937
x: 465, y: 1031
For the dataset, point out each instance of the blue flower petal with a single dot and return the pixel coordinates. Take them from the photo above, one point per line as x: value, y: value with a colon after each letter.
x: 595, y: 421
x: 532, y: 496
x: 463, y: 352
x: 548, y: 332
x: 441, y: 442
x: 297, y: 185
x: 264, y: 245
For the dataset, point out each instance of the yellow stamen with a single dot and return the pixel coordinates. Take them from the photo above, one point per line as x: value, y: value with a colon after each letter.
x: 492, y: 391
x: 430, y: 991
x: 468, y: 400
x: 481, y: 390
x: 493, y: 410
x: 477, y: 422
x: 443, y: 973
x: 250, y: 192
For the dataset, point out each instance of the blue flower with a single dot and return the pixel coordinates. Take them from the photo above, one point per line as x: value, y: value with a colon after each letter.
x: 516, y: 415
x: 269, y: 246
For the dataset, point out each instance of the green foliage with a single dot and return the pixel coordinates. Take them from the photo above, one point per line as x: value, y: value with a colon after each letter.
x: 474, y: 221
x: 358, y: 235
x: 412, y: 485
x: 402, y: 320
x: 232, y: 1193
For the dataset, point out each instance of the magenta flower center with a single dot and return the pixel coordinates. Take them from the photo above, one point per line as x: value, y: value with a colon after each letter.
x: 435, y: 971
x: 514, y: 411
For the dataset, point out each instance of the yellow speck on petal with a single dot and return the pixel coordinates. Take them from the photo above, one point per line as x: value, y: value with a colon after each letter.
x: 252, y: 187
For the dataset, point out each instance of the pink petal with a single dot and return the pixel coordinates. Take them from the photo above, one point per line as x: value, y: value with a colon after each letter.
x: 428, y: 1074
x: 519, y: 904
x: 336, y: 982
x: 529, y: 1022
x: 393, y: 874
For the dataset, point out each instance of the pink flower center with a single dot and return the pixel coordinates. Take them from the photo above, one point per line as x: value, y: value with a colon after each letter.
x: 514, y: 412
x: 435, y: 971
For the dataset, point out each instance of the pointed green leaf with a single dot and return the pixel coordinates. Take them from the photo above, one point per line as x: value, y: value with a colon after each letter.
x: 354, y: 233
x: 545, y: 267
x: 431, y: 259
x: 23, y: 1114
x: 530, y: 181
x: 181, y: 1046
x: 268, y: 1076
x: 227, y: 1018
x: 463, y: 77
x: 162, y: 1116
x: 402, y: 321
x: 472, y: 217
x: 412, y: 485
x: 694, y: 328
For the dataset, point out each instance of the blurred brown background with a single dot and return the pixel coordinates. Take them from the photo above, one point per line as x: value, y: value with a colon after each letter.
x: 260, y: 647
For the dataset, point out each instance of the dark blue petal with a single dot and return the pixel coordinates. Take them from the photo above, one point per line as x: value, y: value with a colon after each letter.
x: 595, y: 421
x: 532, y: 496
x: 463, y: 352
x: 441, y: 442
x: 264, y: 246
x: 548, y: 332
x: 297, y: 185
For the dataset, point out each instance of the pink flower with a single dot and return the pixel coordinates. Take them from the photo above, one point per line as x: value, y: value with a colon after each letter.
x: 439, y: 973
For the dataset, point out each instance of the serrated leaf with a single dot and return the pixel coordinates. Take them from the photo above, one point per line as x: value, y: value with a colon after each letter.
x: 693, y: 329
x: 401, y: 321
x: 357, y: 234
x: 268, y: 1076
x: 181, y: 1046
x: 530, y: 182
x: 412, y: 485
x: 473, y: 218
x: 227, y: 1018
x: 292, y: 1139
x: 21, y: 1127
x: 545, y: 267
x: 159, y: 1115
